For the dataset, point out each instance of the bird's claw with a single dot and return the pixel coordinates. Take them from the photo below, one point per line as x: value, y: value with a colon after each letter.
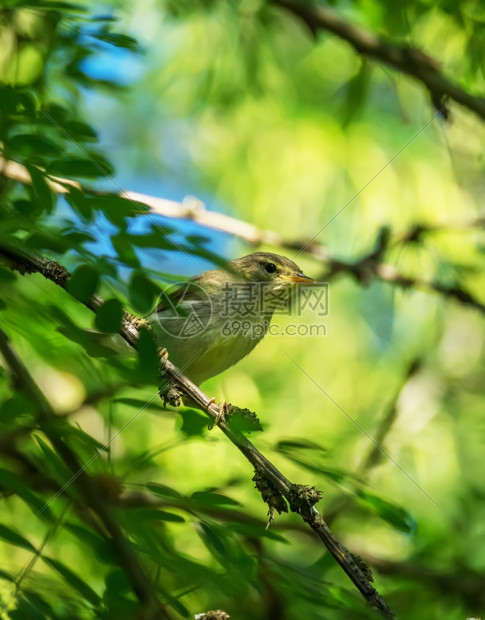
x: 221, y: 416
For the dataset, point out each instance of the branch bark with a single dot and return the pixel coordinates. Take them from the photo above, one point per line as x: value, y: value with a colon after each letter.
x: 408, y: 60
x: 300, y: 498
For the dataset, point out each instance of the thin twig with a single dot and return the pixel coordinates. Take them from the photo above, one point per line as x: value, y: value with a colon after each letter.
x: 408, y: 60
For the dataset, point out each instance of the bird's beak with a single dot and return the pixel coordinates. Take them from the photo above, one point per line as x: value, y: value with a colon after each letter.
x: 296, y: 278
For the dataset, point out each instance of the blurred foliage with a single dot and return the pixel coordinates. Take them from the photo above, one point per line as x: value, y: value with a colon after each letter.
x: 237, y: 103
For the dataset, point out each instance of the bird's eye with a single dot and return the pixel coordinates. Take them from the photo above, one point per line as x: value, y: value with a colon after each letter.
x: 270, y: 268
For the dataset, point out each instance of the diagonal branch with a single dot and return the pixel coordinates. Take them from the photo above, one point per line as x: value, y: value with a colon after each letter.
x: 408, y: 60
x: 300, y: 498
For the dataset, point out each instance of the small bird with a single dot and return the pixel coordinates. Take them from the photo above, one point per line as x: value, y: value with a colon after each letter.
x: 215, y: 319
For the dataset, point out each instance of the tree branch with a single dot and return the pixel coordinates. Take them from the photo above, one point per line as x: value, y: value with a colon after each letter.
x: 367, y: 268
x: 300, y: 498
x: 408, y: 60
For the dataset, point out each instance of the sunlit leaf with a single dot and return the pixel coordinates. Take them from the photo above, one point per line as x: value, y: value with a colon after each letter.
x: 162, y: 490
x: 395, y: 515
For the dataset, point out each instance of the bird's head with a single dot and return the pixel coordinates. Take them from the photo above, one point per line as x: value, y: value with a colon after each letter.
x: 278, y: 270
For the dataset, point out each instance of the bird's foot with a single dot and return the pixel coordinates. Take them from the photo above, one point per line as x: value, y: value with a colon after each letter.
x: 221, y: 416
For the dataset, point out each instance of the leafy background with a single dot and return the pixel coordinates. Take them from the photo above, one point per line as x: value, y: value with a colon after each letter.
x: 235, y: 103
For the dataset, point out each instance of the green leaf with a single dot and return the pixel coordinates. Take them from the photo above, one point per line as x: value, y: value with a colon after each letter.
x: 15, y: 539
x: 31, y: 144
x: 158, y: 238
x: 101, y: 546
x: 47, y: 240
x: 74, y: 167
x: 125, y: 251
x: 80, y: 204
x: 158, y: 515
x: 83, y: 282
x: 396, y: 516
x: 81, y: 131
x: 6, y: 576
x: 117, y: 582
x: 257, y: 531
x: 108, y: 317
x: 13, y: 483
x: 142, y: 292
x: 40, y: 192
x: 137, y: 403
x: 212, y: 540
x: 7, y: 275
x: 117, y: 208
x: 162, y: 490
x: 298, y: 444
x: 73, y: 580
x: 148, y: 366
x: 213, y: 499
x: 119, y: 40
x: 193, y: 423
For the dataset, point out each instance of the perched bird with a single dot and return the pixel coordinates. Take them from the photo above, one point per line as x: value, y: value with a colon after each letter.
x: 219, y: 316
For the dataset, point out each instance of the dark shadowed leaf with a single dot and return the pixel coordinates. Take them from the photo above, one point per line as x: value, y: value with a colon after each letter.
x: 212, y: 540
x: 83, y: 282
x: 7, y: 275
x: 74, y: 167
x: 297, y: 444
x: 108, y: 317
x: 40, y: 192
x: 31, y: 144
x: 148, y: 366
x: 193, y: 422
x: 6, y: 576
x: 13, y: 483
x: 80, y: 204
x: 102, y: 547
x: 119, y: 40
x: 157, y: 515
x: 142, y: 292
x: 81, y: 131
x: 15, y: 539
x: 124, y: 250
x: 208, y: 499
x: 116, y: 208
